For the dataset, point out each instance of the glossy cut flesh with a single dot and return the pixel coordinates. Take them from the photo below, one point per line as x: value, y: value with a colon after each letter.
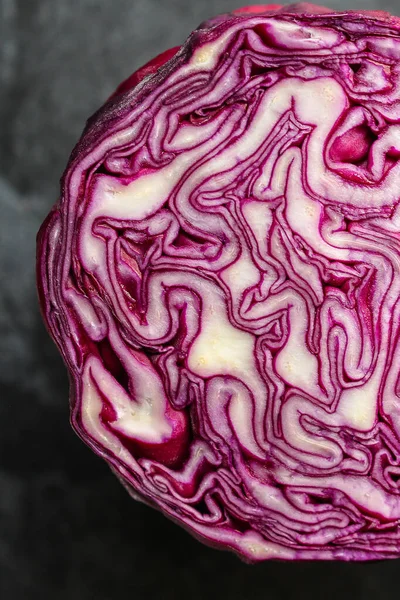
x: 222, y: 277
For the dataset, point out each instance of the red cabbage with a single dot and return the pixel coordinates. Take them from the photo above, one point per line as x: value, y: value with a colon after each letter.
x: 221, y: 274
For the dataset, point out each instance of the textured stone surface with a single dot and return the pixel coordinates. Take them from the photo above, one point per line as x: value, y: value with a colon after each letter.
x: 68, y: 530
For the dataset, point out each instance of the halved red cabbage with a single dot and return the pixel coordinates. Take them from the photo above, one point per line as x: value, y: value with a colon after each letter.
x: 222, y: 277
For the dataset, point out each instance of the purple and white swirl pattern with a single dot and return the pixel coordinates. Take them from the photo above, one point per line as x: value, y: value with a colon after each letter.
x: 222, y: 276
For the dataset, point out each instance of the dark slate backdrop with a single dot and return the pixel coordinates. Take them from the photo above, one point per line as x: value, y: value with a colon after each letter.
x: 68, y: 530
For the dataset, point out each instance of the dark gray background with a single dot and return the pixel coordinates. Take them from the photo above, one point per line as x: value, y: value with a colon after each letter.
x: 68, y: 530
